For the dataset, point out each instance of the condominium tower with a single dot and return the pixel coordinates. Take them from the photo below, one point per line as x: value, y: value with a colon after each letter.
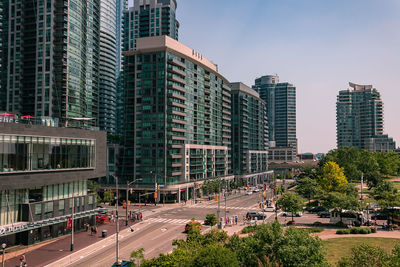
x: 108, y: 65
x: 178, y: 115
x: 359, y: 119
x: 150, y: 18
x: 249, y: 133
x: 280, y: 98
x: 52, y: 58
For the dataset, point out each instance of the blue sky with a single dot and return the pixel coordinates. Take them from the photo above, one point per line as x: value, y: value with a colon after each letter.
x: 318, y: 45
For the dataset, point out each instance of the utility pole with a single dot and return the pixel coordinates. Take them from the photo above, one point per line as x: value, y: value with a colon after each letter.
x: 117, y: 223
x: 218, y: 211
x: 72, y: 221
x: 226, y: 188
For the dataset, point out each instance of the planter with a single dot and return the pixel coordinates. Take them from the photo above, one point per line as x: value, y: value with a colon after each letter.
x: 373, y: 230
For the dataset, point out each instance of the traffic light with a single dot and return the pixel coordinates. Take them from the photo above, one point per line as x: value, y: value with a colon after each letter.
x: 155, y: 195
x: 197, y: 185
x: 131, y: 190
x: 216, y: 198
x: 248, y: 187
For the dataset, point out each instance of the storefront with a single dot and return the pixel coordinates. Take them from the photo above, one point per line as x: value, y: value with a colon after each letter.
x: 28, y: 234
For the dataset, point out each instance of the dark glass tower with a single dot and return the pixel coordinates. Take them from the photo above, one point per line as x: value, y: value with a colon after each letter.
x: 52, y: 66
x: 359, y: 116
x: 281, y: 110
x: 150, y: 18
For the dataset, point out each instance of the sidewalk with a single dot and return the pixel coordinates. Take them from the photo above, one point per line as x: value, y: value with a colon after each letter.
x: 41, y: 255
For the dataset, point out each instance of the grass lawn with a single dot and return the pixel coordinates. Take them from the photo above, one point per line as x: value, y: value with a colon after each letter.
x: 341, y: 247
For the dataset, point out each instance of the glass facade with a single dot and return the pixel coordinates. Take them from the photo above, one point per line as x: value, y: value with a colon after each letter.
x: 152, y: 18
x: 43, y: 202
x: 281, y: 110
x: 173, y: 103
x: 32, y: 153
x: 55, y: 45
x: 359, y: 116
x: 249, y: 131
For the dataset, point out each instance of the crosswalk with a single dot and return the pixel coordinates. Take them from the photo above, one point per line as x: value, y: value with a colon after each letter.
x: 205, y: 206
x: 170, y: 221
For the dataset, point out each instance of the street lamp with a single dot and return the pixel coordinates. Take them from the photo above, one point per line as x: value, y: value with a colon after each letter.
x: 3, y: 247
x: 127, y: 196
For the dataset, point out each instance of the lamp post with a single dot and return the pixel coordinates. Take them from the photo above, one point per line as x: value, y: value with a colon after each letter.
x: 3, y: 247
x: 72, y: 221
x: 117, y: 223
x: 127, y: 196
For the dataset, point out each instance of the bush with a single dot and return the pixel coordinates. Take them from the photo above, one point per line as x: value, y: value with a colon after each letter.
x: 248, y: 229
x: 360, y: 230
x: 341, y: 224
x: 313, y: 230
x: 343, y: 232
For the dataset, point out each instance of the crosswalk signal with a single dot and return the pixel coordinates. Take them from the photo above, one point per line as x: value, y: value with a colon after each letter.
x: 131, y: 190
x: 155, y: 195
x: 216, y: 198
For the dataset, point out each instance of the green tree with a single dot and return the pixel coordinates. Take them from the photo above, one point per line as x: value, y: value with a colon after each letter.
x: 332, y: 177
x: 389, y: 163
x: 137, y: 257
x: 211, y: 219
x: 366, y: 255
x: 108, y: 196
x: 215, y: 255
x: 308, y: 188
x: 291, y: 202
x: 340, y: 201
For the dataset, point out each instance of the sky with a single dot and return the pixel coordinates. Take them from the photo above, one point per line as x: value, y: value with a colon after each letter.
x: 318, y: 45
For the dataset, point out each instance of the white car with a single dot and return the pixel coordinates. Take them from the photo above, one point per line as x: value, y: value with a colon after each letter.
x: 255, y: 190
x: 296, y: 214
x: 269, y: 209
x: 249, y: 192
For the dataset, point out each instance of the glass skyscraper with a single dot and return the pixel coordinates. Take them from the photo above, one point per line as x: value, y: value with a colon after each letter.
x: 108, y: 65
x: 150, y: 18
x: 281, y: 110
x: 359, y: 119
x: 178, y: 115
x: 249, y: 132
x: 52, y: 58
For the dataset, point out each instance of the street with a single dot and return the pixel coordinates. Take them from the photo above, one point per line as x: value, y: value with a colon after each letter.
x: 158, y: 231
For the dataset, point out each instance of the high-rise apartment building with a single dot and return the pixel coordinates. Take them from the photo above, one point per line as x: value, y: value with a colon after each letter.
x: 359, y: 119
x: 3, y: 93
x: 51, y: 65
x: 108, y: 66
x: 249, y: 133
x: 280, y: 98
x: 178, y: 116
x: 150, y: 18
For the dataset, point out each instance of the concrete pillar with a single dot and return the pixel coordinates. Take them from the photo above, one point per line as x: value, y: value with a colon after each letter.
x: 179, y: 195
x: 187, y: 193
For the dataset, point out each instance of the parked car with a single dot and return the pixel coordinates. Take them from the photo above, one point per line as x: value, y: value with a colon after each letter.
x: 254, y: 215
x: 255, y: 190
x: 324, y: 214
x: 379, y: 216
x: 316, y: 209
x: 249, y: 192
x: 296, y: 214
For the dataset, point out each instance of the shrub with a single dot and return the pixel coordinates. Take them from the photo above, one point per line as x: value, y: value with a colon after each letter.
x: 248, y: 229
x: 340, y: 224
x: 313, y: 230
x: 360, y: 230
x: 343, y: 232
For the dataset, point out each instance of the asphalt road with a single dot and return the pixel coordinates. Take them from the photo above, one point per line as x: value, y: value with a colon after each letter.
x: 158, y: 231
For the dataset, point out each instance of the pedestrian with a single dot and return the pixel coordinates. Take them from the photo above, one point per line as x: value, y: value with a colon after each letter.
x: 227, y: 220
x: 141, y: 216
x: 236, y: 220
x: 86, y: 227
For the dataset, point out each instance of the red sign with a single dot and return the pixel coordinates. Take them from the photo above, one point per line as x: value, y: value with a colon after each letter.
x: 69, y: 223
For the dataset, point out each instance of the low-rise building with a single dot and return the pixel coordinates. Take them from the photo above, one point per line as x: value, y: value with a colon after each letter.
x: 43, y: 176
